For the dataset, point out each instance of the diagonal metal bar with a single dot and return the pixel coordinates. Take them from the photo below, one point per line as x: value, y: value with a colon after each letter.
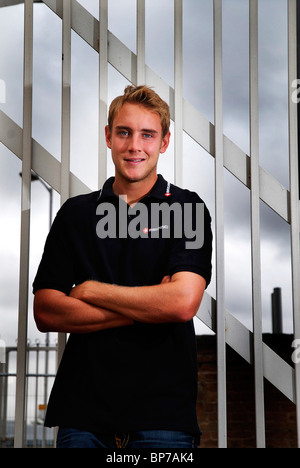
x: 44, y: 164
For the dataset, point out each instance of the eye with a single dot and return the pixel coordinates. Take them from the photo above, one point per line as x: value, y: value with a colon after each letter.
x: 147, y: 136
x: 123, y: 133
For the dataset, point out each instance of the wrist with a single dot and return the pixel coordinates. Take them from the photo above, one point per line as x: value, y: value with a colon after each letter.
x: 82, y: 291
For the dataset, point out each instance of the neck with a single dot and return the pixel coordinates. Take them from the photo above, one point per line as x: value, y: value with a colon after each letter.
x: 134, y: 191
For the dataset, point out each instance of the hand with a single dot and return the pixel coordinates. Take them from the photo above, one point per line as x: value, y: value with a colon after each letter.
x: 78, y: 291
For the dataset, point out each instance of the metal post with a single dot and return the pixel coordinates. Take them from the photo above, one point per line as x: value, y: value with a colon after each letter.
x: 65, y: 123
x: 66, y: 102
x: 178, y: 75
x: 25, y: 225
x: 35, y: 177
x: 2, y: 390
x: 255, y: 228
x: 141, y: 42
x: 103, y: 90
x: 36, y: 393
x: 298, y: 76
x: 219, y: 201
x: 294, y: 189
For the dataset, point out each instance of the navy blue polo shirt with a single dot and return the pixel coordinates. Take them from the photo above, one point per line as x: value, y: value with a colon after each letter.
x: 139, y: 377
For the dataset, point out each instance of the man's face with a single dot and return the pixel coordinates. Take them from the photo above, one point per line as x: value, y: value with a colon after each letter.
x: 136, y: 143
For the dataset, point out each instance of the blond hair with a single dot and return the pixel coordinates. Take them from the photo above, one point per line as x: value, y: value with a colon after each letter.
x: 146, y: 97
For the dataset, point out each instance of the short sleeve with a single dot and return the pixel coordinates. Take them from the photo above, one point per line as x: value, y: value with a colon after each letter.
x: 56, y: 269
x: 192, y: 251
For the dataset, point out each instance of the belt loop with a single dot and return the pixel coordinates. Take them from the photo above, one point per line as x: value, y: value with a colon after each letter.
x: 122, y: 442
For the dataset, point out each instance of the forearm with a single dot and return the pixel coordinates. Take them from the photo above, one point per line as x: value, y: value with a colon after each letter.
x: 171, y: 301
x: 56, y: 312
x: 140, y: 304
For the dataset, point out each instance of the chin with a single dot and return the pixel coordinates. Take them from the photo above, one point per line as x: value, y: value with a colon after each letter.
x: 135, y: 177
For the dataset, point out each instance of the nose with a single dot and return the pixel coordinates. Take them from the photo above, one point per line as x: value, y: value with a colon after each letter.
x: 134, y: 143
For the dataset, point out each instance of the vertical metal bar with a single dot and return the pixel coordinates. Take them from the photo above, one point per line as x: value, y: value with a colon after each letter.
x: 298, y: 74
x: 219, y: 200
x: 65, y: 122
x: 140, y: 42
x: 294, y: 189
x: 3, y: 398
x: 5, y: 395
x: 66, y: 102
x: 178, y: 103
x: 6, y: 388
x: 103, y: 90
x: 255, y: 228
x: 26, y: 392
x: 46, y: 383
x: 36, y: 394
x: 25, y: 226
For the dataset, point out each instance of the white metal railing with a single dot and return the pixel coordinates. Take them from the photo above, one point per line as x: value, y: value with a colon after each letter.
x: 210, y: 136
x: 38, y: 384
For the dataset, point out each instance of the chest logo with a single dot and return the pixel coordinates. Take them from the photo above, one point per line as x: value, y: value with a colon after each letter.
x: 159, y: 228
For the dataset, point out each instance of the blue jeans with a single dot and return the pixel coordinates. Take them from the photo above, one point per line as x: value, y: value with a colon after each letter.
x: 75, y: 438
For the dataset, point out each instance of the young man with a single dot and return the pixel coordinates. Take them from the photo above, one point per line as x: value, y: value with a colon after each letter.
x: 124, y: 273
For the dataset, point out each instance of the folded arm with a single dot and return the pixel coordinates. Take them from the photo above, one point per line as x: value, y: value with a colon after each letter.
x: 54, y: 311
x: 176, y: 299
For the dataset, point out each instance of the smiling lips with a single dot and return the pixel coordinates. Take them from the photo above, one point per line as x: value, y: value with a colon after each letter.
x: 134, y: 161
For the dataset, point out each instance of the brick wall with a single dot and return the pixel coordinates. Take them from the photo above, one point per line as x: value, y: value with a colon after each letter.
x: 281, y: 431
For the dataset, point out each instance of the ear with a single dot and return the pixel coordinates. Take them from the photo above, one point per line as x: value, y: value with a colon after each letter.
x: 108, y: 136
x: 165, y: 143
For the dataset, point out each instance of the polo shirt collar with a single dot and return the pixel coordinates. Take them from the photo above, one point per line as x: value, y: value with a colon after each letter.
x: 161, y: 189
x: 107, y: 190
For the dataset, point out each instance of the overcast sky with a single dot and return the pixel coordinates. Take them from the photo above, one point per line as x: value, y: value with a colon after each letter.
x: 198, y: 165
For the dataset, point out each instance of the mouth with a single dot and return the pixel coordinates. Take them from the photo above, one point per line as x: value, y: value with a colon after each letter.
x: 134, y: 161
